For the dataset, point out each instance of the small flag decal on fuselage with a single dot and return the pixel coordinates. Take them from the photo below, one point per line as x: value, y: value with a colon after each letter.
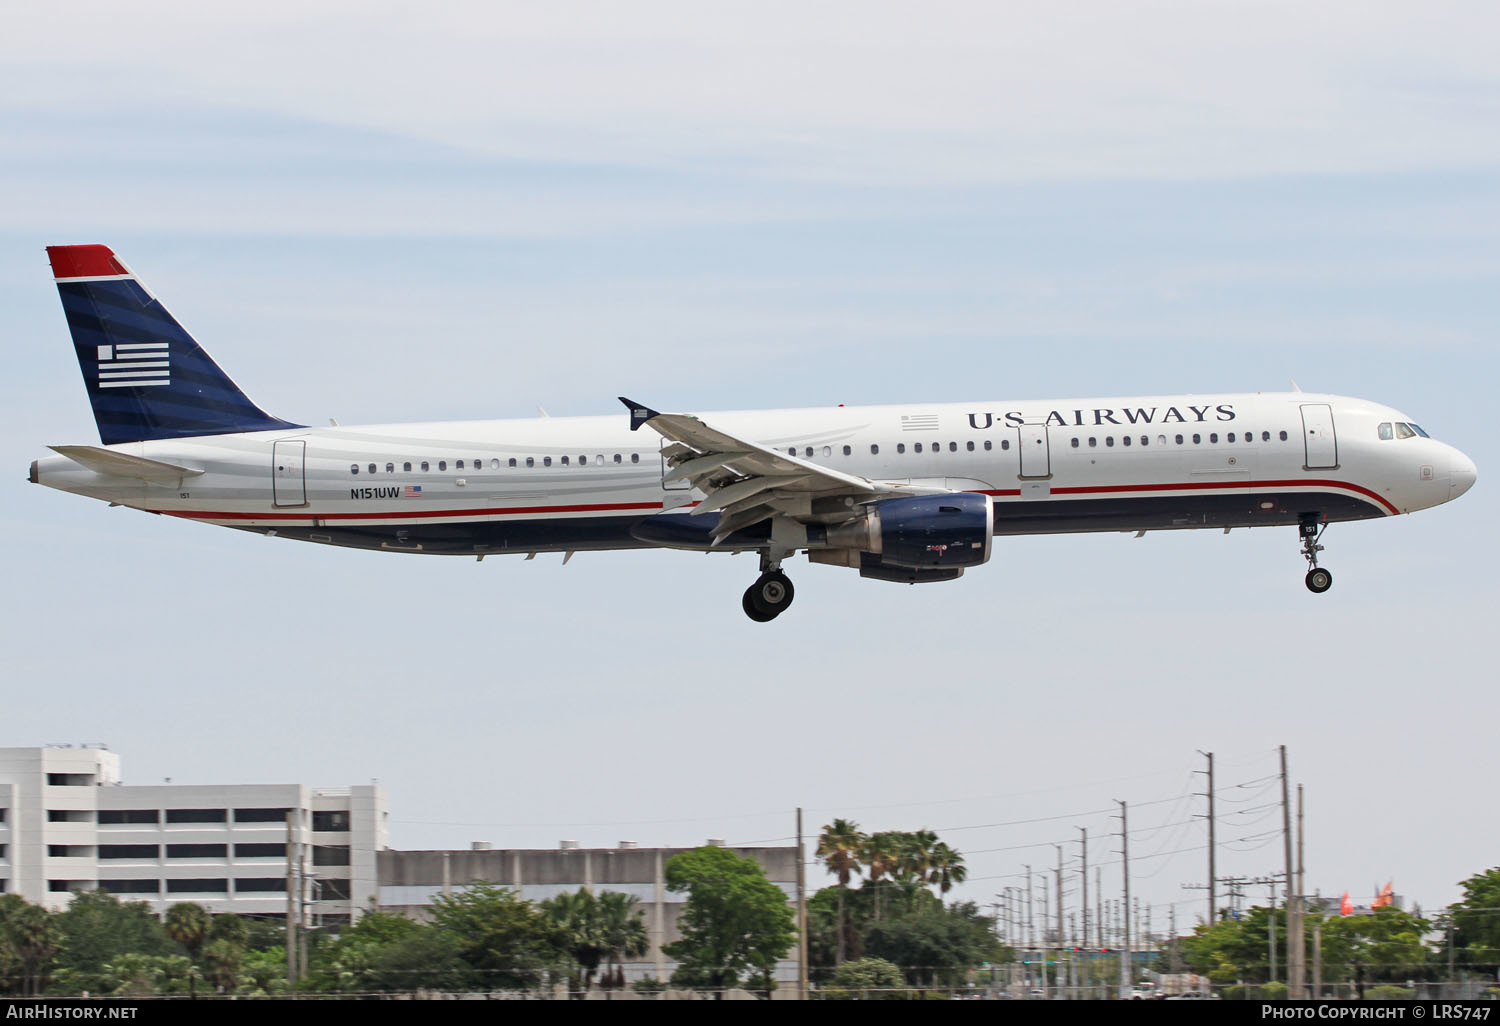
x: 134, y: 365
x: 412, y: 492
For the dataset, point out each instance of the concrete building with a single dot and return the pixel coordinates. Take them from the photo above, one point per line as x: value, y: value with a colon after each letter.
x: 410, y: 880
x: 68, y: 823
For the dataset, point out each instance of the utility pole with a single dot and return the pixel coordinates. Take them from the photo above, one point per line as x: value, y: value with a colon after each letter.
x: 1125, y: 969
x: 1060, y: 934
x: 1213, y: 894
x: 1291, y: 880
x: 1083, y: 878
x: 802, y: 915
x: 292, y: 902
x: 1298, y: 941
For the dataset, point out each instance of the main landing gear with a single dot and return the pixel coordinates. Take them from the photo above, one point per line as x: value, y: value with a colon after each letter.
x: 769, y: 596
x: 1318, y: 580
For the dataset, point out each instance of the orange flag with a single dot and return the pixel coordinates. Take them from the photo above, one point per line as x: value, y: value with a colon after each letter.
x: 1386, y: 898
x: 1346, y: 906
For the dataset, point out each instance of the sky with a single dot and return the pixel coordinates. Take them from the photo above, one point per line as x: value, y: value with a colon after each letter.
x: 378, y: 212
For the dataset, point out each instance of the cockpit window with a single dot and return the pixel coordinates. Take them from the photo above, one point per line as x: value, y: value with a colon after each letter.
x: 1419, y: 431
x: 1403, y: 431
x: 1386, y: 434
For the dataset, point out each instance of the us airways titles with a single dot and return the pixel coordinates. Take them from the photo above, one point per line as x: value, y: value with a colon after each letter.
x: 1138, y: 415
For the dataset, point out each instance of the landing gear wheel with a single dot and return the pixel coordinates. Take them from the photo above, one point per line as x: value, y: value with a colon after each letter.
x: 1319, y: 580
x: 752, y: 612
x: 769, y: 596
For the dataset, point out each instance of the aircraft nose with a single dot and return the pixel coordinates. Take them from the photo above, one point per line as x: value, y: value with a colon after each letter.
x: 1461, y: 474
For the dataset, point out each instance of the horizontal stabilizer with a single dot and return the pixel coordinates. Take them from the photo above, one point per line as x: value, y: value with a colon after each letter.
x: 119, y: 464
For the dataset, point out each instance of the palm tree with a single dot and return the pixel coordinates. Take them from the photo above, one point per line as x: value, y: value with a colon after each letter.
x: 188, y: 924
x: 841, y: 846
x: 947, y: 868
x: 577, y: 915
x: 624, y: 930
x: 882, y: 854
x: 915, y: 859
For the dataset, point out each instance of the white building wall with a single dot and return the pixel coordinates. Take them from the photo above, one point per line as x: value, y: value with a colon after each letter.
x: 224, y: 847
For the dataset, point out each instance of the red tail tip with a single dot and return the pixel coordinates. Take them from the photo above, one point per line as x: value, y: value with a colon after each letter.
x: 83, y: 261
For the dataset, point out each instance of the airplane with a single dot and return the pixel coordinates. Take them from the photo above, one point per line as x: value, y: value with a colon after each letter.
x: 912, y: 494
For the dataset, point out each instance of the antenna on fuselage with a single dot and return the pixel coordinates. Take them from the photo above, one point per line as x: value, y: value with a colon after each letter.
x: 1295, y: 387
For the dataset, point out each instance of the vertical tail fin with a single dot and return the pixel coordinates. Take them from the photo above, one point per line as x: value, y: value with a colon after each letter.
x: 146, y: 376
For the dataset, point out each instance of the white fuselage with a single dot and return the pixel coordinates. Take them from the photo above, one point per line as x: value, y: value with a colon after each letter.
x: 483, y: 487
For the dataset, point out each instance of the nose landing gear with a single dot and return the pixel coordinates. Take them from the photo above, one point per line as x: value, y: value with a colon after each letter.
x: 1318, y: 580
x: 769, y: 596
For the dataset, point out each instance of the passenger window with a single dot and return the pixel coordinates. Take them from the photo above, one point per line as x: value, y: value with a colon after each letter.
x: 372, y: 468
x: 1124, y: 439
x: 900, y: 446
x: 531, y: 461
x: 1074, y: 442
x: 969, y: 446
x: 808, y: 452
x: 917, y: 447
x: 1005, y: 443
x: 635, y: 457
x: 848, y: 451
x: 1109, y: 441
x: 617, y: 457
x: 406, y: 467
x: 583, y: 461
x: 424, y: 466
x: 1161, y: 439
x: 988, y: 445
x: 390, y: 468
x: 1231, y: 436
x: 354, y: 468
x: 792, y: 451
x: 1093, y: 443
x: 953, y: 447
x: 1213, y: 437
x: 442, y: 464
x: 1179, y: 439
x: 1145, y: 439
x: 546, y: 461
x: 827, y: 450
x: 874, y: 450
x: 459, y: 465
x: 1265, y: 436
x: 564, y: 461
x: 1283, y: 436
x: 1197, y: 439
x: 512, y: 462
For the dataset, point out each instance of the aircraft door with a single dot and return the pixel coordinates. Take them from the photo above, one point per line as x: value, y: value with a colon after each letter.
x: 1035, y: 452
x: 1319, y: 437
x: 289, y: 473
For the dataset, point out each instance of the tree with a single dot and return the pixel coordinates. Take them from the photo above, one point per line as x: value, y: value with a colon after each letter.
x: 858, y: 978
x: 580, y: 923
x: 936, y: 945
x: 29, y: 937
x: 736, y: 922
x: 624, y: 929
x: 1476, y: 921
x: 96, y: 929
x: 882, y: 853
x: 840, y: 847
x: 947, y: 868
x: 386, y: 953
x: 509, y: 942
x: 188, y: 923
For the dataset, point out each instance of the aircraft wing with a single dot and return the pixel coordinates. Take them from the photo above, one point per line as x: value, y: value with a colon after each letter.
x: 746, y: 482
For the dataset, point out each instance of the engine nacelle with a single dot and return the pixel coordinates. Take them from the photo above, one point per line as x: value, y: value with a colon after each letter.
x: 924, y: 532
